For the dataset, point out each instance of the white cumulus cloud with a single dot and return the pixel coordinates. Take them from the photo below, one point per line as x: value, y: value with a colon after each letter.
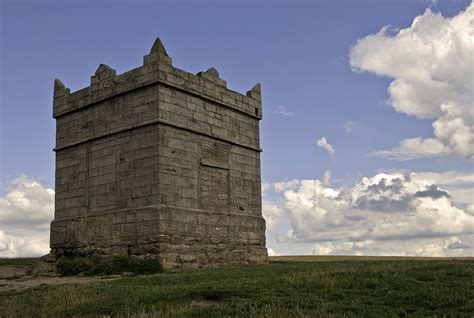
x: 271, y: 252
x: 327, y: 178
x: 271, y: 213
x: 26, y: 211
x: 281, y: 110
x: 397, y: 213
x: 431, y: 63
x: 323, y: 143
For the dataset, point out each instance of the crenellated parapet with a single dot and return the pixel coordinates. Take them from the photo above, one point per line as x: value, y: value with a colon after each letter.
x: 212, y: 75
x: 157, y: 69
x: 104, y: 78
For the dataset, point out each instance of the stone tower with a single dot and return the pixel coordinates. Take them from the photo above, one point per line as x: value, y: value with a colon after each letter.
x: 159, y: 162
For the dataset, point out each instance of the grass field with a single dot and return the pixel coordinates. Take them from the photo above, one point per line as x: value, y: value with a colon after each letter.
x: 18, y: 261
x: 285, y: 287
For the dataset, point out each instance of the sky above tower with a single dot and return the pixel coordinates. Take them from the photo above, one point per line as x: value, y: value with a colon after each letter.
x: 368, y: 115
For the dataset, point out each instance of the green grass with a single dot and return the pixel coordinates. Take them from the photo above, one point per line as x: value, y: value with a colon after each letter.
x: 18, y: 261
x: 107, y: 266
x: 295, y: 287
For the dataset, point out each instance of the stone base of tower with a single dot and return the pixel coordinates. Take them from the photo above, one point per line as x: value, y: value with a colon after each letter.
x: 178, y: 237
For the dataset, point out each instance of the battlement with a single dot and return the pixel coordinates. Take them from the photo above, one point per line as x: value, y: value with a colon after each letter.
x: 157, y: 69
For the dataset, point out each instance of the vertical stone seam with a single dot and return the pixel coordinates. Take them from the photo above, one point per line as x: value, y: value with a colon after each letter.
x: 117, y: 165
x: 158, y: 169
x: 199, y: 192
x: 229, y: 186
x: 86, y: 181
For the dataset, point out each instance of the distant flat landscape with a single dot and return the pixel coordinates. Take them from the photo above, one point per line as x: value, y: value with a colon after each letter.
x: 333, y: 258
x: 287, y: 286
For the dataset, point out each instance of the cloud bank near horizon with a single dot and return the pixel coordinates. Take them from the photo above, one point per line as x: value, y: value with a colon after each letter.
x: 398, y: 213
x: 26, y: 211
x: 430, y: 63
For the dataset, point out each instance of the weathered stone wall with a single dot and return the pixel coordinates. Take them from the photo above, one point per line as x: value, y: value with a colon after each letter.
x: 158, y: 161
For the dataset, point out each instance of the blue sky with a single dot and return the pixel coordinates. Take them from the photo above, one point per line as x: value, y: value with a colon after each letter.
x: 298, y: 50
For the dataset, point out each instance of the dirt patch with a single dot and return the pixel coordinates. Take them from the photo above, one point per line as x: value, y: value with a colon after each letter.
x: 14, y: 271
x: 209, y: 298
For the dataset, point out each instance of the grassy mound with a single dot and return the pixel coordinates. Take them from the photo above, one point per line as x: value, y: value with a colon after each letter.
x: 289, y: 287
